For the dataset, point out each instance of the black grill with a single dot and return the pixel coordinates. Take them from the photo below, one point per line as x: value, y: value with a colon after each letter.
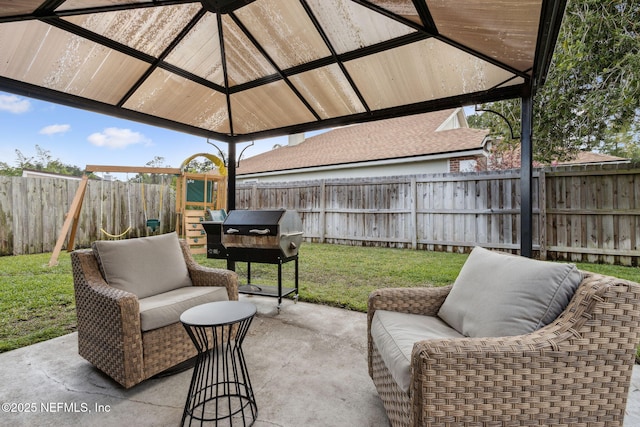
x: 213, y: 227
x: 262, y: 235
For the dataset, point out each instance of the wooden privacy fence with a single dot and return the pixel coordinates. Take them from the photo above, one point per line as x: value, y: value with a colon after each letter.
x: 33, y: 210
x: 591, y: 214
x: 434, y: 212
x: 588, y: 214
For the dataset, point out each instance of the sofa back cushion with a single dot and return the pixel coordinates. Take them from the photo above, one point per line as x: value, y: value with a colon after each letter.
x: 498, y: 294
x: 144, y: 266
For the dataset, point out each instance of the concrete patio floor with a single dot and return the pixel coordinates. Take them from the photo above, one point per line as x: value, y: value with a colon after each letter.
x: 307, y: 365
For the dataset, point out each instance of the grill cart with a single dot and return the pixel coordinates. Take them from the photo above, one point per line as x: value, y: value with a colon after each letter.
x: 264, y: 236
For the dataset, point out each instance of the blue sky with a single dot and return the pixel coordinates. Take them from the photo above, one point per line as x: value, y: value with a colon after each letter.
x: 78, y: 137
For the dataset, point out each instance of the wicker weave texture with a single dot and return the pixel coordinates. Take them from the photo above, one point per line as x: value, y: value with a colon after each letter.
x: 109, y: 334
x: 396, y: 402
x: 573, y: 372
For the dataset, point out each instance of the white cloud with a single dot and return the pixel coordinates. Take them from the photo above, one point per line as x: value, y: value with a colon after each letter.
x: 14, y: 104
x: 117, y: 138
x: 53, y: 129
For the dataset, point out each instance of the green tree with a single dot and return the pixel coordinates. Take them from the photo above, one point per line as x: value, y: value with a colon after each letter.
x: 591, y: 98
x: 200, y: 165
x: 7, y: 170
x: 624, y: 143
x: 42, y: 161
x: 157, y: 162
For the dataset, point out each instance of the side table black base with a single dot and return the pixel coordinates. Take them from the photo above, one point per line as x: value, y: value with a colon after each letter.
x: 220, y: 392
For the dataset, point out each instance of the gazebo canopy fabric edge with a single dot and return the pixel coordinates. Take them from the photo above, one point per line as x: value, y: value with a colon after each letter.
x: 69, y: 100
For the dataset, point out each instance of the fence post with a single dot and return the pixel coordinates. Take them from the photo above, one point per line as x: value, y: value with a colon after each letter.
x: 542, y: 206
x: 322, y: 219
x: 254, y: 197
x: 414, y: 213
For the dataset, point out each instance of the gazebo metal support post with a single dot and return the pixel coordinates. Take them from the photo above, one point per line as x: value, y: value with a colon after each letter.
x: 526, y: 176
x: 231, y: 189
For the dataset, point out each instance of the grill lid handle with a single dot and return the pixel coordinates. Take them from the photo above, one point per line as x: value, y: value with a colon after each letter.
x: 232, y: 230
x: 287, y: 235
x: 257, y: 231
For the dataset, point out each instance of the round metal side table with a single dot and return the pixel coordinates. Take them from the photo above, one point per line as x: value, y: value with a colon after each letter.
x: 220, y: 391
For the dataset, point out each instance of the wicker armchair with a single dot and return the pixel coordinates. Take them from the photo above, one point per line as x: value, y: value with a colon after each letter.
x: 109, y: 331
x: 574, y: 371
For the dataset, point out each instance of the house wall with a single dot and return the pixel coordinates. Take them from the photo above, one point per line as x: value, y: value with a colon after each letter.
x: 381, y: 169
x: 38, y: 174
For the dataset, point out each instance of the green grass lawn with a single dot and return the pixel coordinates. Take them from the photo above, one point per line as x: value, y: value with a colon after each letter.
x: 343, y: 276
x: 37, y: 301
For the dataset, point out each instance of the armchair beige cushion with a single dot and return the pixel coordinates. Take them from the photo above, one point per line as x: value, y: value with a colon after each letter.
x: 574, y: 371
x: 132, y: 265
x: 498, y: 295
x: 132, y: 338
x: 164, y: 309
x: 394, y: 334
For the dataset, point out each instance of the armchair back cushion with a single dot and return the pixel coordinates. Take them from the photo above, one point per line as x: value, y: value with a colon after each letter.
x: 498, y: 294
x: 145, y: 266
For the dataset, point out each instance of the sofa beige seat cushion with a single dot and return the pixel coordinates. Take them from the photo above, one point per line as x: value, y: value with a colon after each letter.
x: 164, y: 309
x: 146, y: 266
x: 497, y: 294
x: 394, y: 335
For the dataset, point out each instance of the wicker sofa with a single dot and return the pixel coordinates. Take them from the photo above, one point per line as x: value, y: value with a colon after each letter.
x: 134, y: 334
x: 575, y: 370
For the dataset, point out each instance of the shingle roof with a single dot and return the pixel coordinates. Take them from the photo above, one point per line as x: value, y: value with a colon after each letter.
x: 590, y: 157
x: 386, y: 139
